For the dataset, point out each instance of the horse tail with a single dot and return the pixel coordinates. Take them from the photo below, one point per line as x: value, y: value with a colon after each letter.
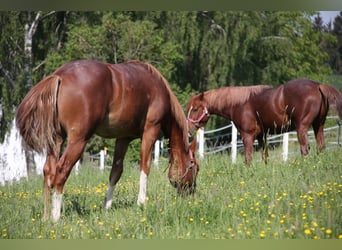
x: 333, y: 97
x: 37, y: 116
x: 176, y: 108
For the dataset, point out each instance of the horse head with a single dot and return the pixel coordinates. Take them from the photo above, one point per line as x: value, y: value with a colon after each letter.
x: 197, y: 111
x: 184, y: 178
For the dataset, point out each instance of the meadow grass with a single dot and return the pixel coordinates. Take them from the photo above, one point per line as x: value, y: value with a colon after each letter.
x: 299, y: 199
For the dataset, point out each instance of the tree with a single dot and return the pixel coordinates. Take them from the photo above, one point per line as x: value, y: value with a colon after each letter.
x: 17, y: 64
x: 194, y: 50
x: 336, y: 51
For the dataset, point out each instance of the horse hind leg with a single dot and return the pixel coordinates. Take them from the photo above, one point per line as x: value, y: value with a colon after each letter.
x: 302, y: 135
x: 121, y: 146
x: 49, y: 171
x: 319, y: 135
x: 64, y: 166
x: 49, y: 175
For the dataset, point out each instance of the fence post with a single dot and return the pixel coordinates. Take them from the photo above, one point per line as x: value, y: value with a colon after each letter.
x: 339, y: 133
x: 102, y: 159
x: 285, y: 146
x: 77, y: 166
x: 156, y: 152
x: 200, y: 139
x: 234, y: 143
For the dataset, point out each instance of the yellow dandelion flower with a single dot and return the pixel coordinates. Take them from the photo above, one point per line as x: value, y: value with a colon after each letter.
x: 150, y: 233
x: 191, y: 219
x: 262, y: 234
x: 340, y: 237
x: 307, y: 231
x: 328, y: 231
x: 100, y: 223
x: 314, y: 224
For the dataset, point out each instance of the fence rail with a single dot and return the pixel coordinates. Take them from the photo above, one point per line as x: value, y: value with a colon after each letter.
x: 233, y: 143
x: 204, y: 136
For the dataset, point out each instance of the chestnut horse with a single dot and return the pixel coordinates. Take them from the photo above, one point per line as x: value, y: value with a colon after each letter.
x: 124, y: 101
x: 261, y: 110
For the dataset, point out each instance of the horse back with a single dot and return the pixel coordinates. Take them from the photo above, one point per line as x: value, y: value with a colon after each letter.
x: 112, y: 100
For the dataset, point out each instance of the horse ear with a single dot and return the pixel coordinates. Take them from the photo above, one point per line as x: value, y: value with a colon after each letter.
x: 201, y: 96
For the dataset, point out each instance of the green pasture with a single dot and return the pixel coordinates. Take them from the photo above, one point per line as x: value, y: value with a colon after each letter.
x: 299, y: 199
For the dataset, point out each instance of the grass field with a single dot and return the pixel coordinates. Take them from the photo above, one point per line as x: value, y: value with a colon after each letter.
x: 300, y: 199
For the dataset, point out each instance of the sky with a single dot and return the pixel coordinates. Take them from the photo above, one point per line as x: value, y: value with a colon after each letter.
x: 328, y: 16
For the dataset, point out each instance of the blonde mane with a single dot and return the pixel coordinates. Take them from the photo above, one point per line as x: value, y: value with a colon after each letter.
x: 176, y: 108
x: 231, y: 96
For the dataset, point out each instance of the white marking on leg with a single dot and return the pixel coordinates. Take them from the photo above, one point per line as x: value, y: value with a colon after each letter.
x: 109, y: 197
x: 56, y: 206
x: 142, y: 189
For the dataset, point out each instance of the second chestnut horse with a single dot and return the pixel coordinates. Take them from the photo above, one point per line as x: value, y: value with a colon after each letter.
x: 261, y: 110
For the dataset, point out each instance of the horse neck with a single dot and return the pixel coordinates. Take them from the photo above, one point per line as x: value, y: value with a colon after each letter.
x: 178, y: 149
x: 217, y: 104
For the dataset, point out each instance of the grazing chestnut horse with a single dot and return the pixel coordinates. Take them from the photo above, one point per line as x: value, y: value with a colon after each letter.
x: 260, y: 110
x: 124, y: 101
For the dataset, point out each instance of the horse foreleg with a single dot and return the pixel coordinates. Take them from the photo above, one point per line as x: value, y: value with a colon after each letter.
x: 64, y: 166
x: 248, y: 141
x: 120, y: 150
x: 262, y: 143
x: 148, y: 139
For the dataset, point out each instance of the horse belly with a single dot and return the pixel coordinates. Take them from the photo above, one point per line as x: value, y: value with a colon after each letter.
x: 117, y: 125
x: 275, y: 123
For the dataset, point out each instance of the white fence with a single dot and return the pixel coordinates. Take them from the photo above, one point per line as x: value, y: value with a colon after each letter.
x: 209, y: 143
x: 205, y: 148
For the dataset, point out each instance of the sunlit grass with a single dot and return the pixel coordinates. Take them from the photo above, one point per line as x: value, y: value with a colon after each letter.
x: 300, y: 199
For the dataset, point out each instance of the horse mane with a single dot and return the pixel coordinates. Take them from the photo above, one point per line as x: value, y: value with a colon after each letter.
x: 232, y: 96
x: 176, y: 108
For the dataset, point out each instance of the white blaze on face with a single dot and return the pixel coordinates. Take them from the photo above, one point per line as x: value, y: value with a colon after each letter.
x: 142, y: 189
x: 56, y: 206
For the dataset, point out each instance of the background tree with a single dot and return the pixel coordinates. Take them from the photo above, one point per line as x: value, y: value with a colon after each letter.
x: 194, y: 50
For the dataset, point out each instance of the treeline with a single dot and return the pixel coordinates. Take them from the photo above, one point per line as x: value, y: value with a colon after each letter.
x: 194, y: 50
